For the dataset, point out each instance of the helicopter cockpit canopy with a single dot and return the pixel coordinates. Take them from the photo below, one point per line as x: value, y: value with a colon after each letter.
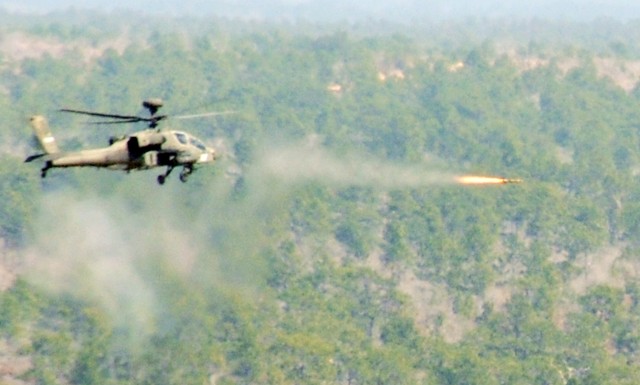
x: 198, y: 144
x: 187, y: 139
x: 182, y: 137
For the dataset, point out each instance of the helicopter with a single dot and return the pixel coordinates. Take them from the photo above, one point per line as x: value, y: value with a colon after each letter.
x: 142, y: 150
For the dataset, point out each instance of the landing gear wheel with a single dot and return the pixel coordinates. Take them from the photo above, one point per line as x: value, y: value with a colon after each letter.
x: 184, y: 174
x: 163, y: 177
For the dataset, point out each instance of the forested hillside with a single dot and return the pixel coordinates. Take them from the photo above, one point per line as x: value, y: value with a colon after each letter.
x: 330, y: 244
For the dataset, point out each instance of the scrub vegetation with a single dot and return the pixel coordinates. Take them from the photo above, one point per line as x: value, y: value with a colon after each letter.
x: 328, y: 244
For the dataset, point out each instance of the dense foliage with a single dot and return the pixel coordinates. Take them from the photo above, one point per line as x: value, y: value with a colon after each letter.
x: 258, y: 272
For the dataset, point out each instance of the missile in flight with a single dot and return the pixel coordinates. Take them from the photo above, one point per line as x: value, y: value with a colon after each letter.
x: 482, y: 180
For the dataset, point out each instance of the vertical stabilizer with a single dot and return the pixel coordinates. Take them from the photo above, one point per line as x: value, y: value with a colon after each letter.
x: 44, y: 135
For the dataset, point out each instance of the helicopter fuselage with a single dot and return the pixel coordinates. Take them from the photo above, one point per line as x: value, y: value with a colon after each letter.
x: 138, y: 151
x: 142, y: 150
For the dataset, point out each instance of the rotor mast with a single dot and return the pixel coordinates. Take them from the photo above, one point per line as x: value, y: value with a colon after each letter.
x: 153, y: 105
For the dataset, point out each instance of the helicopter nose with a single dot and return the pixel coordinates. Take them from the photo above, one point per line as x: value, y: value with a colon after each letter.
x: 207, y: 156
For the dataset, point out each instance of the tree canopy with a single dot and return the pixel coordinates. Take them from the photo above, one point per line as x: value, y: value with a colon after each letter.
x: 329, y: 245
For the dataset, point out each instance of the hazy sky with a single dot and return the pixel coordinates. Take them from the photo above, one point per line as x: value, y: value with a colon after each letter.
x: 406, y: 10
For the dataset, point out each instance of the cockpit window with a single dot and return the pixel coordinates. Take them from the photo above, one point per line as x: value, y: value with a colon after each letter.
x: 182, y: 138
x: 198, y: 144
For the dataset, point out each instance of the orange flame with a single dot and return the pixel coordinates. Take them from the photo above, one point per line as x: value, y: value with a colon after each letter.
x: 475, y: 179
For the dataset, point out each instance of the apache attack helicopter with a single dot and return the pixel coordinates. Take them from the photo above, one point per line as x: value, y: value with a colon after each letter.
x: 141, y: 150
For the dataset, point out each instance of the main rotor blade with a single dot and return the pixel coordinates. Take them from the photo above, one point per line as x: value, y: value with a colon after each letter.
x: 204, y: 115
x: 132, y: 118
x: 116, y: 122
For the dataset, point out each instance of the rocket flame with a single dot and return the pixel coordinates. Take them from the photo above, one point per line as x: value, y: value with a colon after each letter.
x: 474, y: 179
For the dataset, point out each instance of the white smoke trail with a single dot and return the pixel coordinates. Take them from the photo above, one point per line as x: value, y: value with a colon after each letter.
x: 307, y: 161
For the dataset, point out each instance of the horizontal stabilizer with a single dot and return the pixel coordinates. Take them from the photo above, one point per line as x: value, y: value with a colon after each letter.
x: 34, y: 157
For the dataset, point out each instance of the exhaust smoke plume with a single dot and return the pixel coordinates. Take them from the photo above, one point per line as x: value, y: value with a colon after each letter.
x: 101, y: 251
x: 81, y: 249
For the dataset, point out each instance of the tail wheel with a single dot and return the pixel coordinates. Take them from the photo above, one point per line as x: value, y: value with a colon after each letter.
x: 47, y: 166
